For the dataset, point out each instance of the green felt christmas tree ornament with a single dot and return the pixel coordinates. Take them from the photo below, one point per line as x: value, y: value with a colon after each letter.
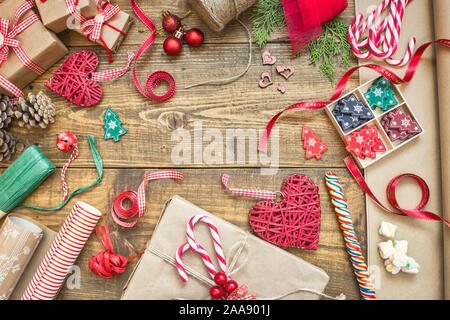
x: 381, y: 94
x: 113, y: 126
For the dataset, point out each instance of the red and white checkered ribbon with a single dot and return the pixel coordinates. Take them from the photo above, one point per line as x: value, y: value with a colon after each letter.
x: 141, y: 198
x: 251, y: 193
x: 7, y: 41
x: 385, y: 35
x: 72, y: 157
x: 92, y: 28
x: 195, y: 247
x: 113, y: 73
x: 63, y: 252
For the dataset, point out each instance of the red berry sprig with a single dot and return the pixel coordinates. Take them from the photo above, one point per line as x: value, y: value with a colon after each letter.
x: 224, y: 287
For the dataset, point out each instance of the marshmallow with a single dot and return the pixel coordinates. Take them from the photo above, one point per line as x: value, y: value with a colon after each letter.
x: 386, y: 249
x: 387, y: 229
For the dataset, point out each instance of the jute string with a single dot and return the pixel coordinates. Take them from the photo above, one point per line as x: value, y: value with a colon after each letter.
x: 233, y: 268
x: 217, y: 13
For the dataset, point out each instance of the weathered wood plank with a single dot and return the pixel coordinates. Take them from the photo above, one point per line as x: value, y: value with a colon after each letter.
x: 240, y: 105
x: 233, y: 32
x: 203, y: 188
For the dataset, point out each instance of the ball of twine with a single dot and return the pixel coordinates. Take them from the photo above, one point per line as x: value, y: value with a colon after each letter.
x: 217, y: 13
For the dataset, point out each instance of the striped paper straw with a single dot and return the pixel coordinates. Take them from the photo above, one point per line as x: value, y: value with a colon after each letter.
x: 63, y: 252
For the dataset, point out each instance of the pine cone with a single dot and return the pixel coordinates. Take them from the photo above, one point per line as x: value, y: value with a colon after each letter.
x: 7, y: 145
x: 6, y: 112
x: 35, y: 111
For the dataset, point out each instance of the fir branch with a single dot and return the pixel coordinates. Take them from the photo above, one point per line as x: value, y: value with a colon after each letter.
x: 331, y: 43
x: 267, y: 17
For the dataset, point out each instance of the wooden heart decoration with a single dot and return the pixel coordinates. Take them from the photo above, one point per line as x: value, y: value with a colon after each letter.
x: 72, y: 80
x: 282, y: 71
x: 267, y: 58
x: 262, y: 81
x: 293, y: 222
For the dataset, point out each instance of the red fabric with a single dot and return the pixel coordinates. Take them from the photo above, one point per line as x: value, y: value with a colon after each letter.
x: 417, y: 212
x: 341, y: 86
x: 304, y: 19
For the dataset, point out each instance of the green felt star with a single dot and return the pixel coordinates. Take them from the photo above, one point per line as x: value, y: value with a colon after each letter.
x: 381, y: 95
x: 113, y: 126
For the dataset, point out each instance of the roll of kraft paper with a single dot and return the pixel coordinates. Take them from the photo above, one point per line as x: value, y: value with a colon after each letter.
x: 22, y: 177
x: 63, y: 252
x: 18, y: 241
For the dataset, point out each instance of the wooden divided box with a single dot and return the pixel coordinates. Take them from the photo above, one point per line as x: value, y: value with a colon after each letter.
x: 379, y: 116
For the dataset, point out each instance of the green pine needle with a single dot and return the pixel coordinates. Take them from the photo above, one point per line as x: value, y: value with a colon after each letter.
x: 268, y: 16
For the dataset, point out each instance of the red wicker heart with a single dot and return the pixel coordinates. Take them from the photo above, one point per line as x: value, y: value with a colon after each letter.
x: 72, y: 80
x: 294, y: 221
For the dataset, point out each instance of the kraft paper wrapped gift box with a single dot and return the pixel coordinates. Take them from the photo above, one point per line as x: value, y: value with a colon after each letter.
x: 40, y: 44
x: 265, y: 269
x: 112, y: 38
x: 55, y: 14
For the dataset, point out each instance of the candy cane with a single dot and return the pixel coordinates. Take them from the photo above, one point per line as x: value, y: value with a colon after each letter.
x: 214, y: 234
x: 390, y: 26
x: 351, y: 241
x: 195, y: 247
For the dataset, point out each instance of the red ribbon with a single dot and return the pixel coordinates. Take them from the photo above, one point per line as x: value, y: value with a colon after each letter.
x: 106, y: 263
x: 341, y: 86
x: 304, y: 19
x: 157, y: 76
x: 138, y: 199
x: 417, y: 212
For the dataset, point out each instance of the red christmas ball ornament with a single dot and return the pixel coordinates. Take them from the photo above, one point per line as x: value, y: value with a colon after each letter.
x: 66, y: 141
x: 170, y: 22
x: 172, y: 45
x: 216, y: 292
x: 220, y: 278
x: 194, y: 37
x: 231, y: 286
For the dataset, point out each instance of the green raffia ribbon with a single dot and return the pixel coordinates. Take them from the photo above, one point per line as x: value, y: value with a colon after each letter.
x: 98, y: 164
x: 22, y: 177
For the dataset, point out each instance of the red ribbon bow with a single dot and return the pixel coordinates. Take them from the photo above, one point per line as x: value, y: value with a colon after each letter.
x: 92, y: 28
x: 7, y: 40
x: 241, y: 294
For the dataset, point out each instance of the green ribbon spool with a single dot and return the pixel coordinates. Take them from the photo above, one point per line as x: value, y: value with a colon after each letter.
x: 28, y: 172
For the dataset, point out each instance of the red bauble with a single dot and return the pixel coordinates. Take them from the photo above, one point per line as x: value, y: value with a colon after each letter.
x: 170, y: 22
x: 231, y: 286
x: 194, y: 37
x: 66, y: 141
x: 220, y: 278
x: 216, y: 292
x: 172, y: 46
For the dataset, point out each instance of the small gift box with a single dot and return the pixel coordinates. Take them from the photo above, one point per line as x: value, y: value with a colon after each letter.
x: 266, y: 270
x: 108, y: 27
x: 59, y: 15
x: 27, y: 48
x: 374, y: 120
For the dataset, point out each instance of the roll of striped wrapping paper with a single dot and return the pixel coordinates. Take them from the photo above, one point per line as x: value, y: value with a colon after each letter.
x: 63, y: 252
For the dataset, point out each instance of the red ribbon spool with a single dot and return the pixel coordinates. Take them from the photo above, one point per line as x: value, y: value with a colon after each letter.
x: 118, y: 211
x: 417, y: 212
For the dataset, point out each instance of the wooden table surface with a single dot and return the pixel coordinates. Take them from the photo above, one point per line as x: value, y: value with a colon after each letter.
x: 148, y: 145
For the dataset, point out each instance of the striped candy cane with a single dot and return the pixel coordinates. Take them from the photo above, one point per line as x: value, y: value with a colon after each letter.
x: 195, y: 247
x: 385, y: 35
x: 72, y: 157
x: 351, y: 240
